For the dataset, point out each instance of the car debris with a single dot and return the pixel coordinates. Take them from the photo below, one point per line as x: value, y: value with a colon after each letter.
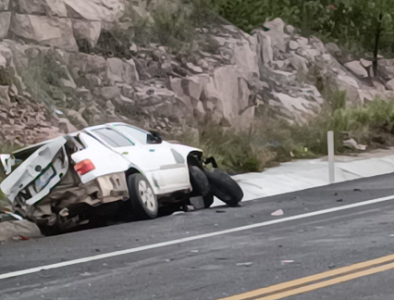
x: 246, y: 264
x: 109, y: 171
x: 278, y: 213
x: 288, y: 261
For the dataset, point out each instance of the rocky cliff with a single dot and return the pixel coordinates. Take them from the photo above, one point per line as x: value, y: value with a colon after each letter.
x: 64, y: 65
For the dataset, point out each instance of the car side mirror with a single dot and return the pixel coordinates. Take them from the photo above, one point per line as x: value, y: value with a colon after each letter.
x: 154, y: 138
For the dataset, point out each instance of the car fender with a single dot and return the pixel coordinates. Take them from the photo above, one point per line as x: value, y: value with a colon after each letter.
x: 183, y: 150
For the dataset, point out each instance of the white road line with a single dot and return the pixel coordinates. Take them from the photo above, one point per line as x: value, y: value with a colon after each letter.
x: 192, y: 238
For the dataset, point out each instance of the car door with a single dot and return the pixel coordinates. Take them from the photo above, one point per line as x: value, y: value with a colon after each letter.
x: 170, y: 169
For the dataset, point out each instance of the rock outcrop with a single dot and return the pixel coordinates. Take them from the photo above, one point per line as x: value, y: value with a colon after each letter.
x: 54, y: 78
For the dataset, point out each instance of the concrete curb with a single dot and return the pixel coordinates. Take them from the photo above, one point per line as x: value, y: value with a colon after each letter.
x: 305, y: 174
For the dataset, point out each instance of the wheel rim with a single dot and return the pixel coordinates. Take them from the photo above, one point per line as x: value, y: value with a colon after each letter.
x: 147, y: 197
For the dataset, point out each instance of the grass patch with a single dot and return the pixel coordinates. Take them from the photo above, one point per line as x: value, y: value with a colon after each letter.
x: 171, y: 24
x: 270, y: 141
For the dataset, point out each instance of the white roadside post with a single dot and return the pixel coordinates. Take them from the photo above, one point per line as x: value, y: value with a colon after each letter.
x: 330, y: 143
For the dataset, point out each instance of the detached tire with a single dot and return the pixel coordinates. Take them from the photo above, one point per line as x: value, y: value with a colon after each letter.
x: 224, y: 187
x: 200, y: 185
x: 199, y: 181
x: 142, y: 199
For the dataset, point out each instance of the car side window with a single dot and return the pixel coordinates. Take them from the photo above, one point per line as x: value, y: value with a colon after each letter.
x: 133, y: 133
x: 112, y: 137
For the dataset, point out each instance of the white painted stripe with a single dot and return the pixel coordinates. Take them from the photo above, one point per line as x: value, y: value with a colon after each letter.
x: 192, y: 238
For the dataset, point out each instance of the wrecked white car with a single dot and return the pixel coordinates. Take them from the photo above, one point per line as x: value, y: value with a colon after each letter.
x: 113, y: 169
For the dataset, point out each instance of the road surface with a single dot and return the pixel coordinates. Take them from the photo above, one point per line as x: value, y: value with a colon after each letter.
x: 311, y: 252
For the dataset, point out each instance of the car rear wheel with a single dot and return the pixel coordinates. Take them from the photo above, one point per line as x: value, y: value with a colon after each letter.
x: 224, y: 187
x: 142, y: 198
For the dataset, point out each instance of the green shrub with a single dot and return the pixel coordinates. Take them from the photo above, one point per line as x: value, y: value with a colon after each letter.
x: 270, y: 140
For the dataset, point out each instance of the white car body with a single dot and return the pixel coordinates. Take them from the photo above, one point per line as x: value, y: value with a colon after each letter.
x: 115, y: 150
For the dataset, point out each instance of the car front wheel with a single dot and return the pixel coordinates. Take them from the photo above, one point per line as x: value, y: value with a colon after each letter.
x: 142, y: 198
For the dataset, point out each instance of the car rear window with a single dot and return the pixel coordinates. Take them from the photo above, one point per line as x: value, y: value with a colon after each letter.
x: 112, y: 137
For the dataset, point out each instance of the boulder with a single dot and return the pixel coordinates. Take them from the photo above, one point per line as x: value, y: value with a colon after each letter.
x: 87, y: 30
x: 5, y: 21
x: 293, y: 45
x: 275, y: 30
x: 66, y: 127
x: 4, y: 4
x: 87, y: 63
x: 227, y: 90
x: 4, y: 95
x: 357, y: 69
x: 386, y: 68
x: 108, y: 92
x: 51, y: 31
x: 43, y: 7
x: 390, y: 85
x: 16, y: 229
x: 119, y: 71
x: 95, y: 10
x: 31, y: 7
x: 77, y: 118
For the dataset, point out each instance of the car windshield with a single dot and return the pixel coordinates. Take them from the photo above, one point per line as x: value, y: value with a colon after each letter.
x: 112, y: 137
x: 134, y: 133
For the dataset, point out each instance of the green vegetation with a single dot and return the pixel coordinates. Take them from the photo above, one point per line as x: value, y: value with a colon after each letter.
x: 42, y: 77
x: 170, y: 24
x: 271, y: 141
x: 358, y: 25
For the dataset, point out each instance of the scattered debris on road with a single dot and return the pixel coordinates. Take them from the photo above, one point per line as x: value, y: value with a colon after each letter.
x: 289, y: 261
x: 246, y: 264
x: 352, y: 144
x: 339, y: 200
x: 278, y: 213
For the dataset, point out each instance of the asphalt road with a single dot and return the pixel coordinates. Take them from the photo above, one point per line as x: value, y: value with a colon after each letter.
x: 188, y: 256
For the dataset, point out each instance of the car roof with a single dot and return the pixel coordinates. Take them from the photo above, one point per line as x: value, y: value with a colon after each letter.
x: 36, y: 146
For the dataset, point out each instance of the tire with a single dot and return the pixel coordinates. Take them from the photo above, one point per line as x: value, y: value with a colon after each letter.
x: 201, y: 186
x: 143, y: 201
x: 208, y: 200
x: 49, y: 230
x: 199, y: 181
x: 224, y: 187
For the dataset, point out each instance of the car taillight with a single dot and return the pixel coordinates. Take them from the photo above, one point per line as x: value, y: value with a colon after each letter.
x: 84, y: 167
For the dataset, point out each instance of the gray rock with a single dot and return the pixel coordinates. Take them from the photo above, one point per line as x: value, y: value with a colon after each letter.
x: 357, y: 69
x: 4, y: 95
x: 386, y: 68
x: 108, y: 92
x: 11, y: 229
x: 31, y: 6
x: 87, y: 63
x: 87, y: 30
x: 293, y: 45
x: 93, y: 10
x: 66, y: 127
x: 390, y: 84
x: 333, y: 49
x: 195, y: 69
x: 51, y: 31
x: 4, y: 4
x: 5, y: 21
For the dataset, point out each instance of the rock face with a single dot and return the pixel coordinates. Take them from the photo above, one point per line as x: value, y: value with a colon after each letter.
x: 55, y: 78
